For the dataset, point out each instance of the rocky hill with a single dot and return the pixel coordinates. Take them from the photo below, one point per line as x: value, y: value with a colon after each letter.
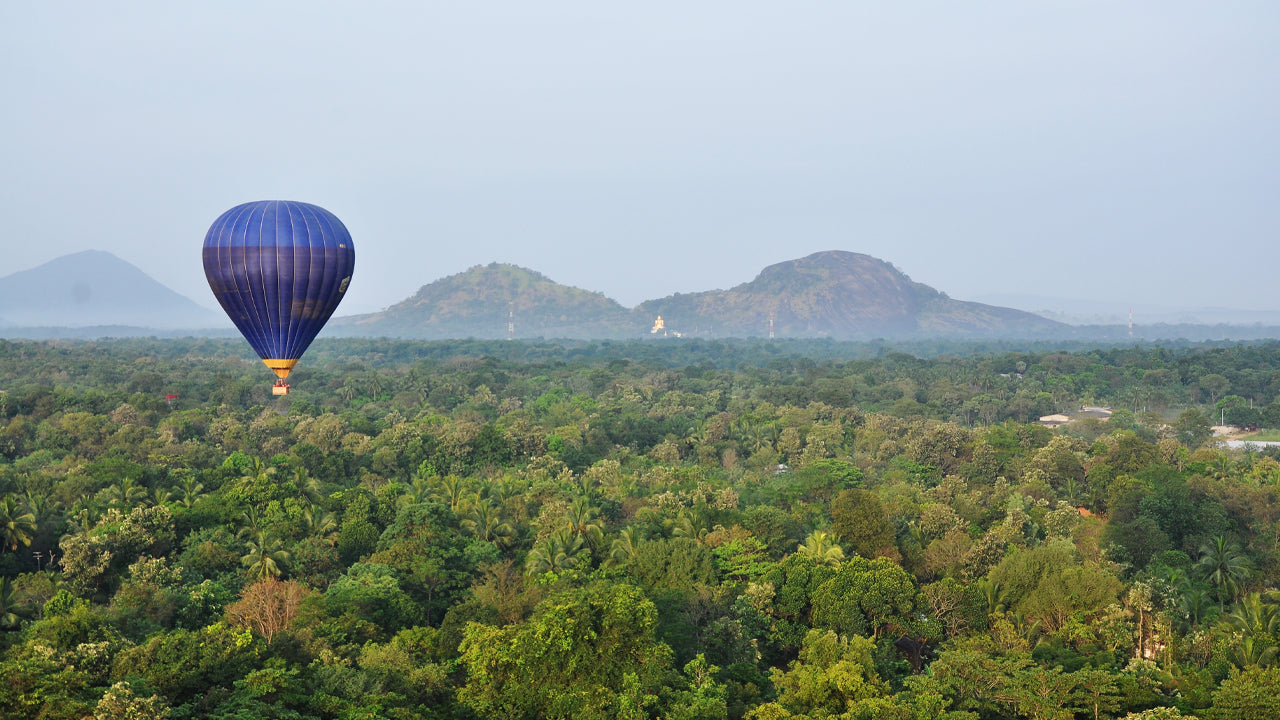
x: 841, y: 295
x: 96, y: 288
x: 477, y: 303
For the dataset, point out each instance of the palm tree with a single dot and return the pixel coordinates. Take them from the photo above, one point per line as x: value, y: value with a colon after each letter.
x: 125, y: 494
x: 190, y: 490
x: 1225, y: 566
x: 42, y: 506
x: 1073, y: 491
x: 1197, y: 605
x: 584, y: 521
x: 692, y: 523
x: 625, y: 548
x: 265, y: 557
x: 160, y: 496
x: 557, y: 553
x: 917, y: 536
x: 318, y: 522
x: 250, y: 523
x: 1252, y: 616
x: 1250, y: 653
x: 257, y: 471
x: 84, y: 520
x: 452, y: 490
x: 310, y: 487
x: 8, y: 618
x: 993, y: 595
x: 419, y: 490
x: 374, y: 383
x: 485, y: 522
x: 17, y: 524
x: 822, y: 548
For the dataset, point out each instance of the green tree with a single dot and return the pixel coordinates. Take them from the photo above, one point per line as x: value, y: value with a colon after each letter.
x: 830, y: 677
x: 576, y: 657
x: 858, y: 519
x: 864, y: 597
x: 120, y: 703
x: 1248, y: 695
x: 1215, y: 385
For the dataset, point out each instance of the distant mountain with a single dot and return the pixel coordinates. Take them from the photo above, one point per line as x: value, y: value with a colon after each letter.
x: 841, y: 295
x: 479, y: 302
x: 95, y: 288
x: 834, y: 294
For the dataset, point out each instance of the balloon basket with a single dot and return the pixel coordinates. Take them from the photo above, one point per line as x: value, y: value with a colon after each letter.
x: 280, y: 388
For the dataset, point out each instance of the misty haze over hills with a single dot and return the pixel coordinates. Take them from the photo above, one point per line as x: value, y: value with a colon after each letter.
x: 834, y: 294
x: 1146, y: 311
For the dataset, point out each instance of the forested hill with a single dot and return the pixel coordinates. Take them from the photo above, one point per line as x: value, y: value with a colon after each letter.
x: 479, y: 303
x: 835, y: 294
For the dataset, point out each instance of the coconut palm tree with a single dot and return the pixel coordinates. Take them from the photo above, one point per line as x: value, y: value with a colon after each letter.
x: 348, y: 390
x: 42, y: 506
x: 1251, y: 652
x: 557, y: 553
x: 318, y: 522
x: 993, y: 594
x: 692, y: 523
x: 485, y: 522
x: 161, y: 496
x: 310, y: 487
x: 452, y: 490
x: 625, y: 547
x: 189, y: 490
x: 1225, y: 566
x: 265, y: 558
x: 1197, y: 605
x: 584, y: 521
x: 17, y: 524
x: 1252, y: 616
x: 125, y: 494
x: 821, y: 548
x: 9, y: 619
x: 257, y: 471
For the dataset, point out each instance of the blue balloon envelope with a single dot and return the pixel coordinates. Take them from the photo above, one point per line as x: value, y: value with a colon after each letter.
x: 279, y: 270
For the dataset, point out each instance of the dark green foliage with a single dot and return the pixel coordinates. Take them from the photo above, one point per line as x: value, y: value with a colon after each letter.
x: 673, y: 564
x: 405, y: 486
x: 587, y: 653
x: 858, y: 519
x: 865, y: 597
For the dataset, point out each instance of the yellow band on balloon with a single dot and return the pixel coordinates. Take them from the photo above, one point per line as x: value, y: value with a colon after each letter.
x: 280, y: 367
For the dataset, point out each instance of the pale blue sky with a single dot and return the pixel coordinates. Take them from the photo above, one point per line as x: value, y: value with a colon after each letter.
x: 1121, y: 151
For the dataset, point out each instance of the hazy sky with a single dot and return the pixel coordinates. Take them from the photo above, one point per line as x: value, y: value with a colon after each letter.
x: 1128, y: 152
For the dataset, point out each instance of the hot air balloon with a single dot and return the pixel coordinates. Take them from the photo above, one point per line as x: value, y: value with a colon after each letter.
x: 279, y: 270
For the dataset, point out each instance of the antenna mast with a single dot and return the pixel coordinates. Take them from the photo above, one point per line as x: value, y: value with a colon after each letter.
x: 771, y: 317
x: 511, y: 320
x: 1130, y: 323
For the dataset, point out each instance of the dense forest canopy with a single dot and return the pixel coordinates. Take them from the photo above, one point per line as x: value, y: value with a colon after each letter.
x: 674, y: 529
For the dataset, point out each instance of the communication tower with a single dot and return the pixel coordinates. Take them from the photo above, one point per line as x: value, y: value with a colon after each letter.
x: 1130, y: 323
x: 511, y: 320
x: 771, y: 317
